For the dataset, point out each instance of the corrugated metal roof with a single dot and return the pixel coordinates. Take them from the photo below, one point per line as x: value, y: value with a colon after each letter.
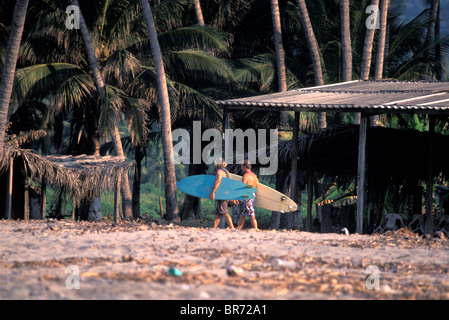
x: 384, y: 96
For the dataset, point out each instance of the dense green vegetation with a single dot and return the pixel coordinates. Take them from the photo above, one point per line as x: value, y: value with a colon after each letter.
x: 231, y: 55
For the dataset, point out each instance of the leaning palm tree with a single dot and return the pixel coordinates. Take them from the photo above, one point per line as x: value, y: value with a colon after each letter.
x: 167, y: 143
x: 115, y: 135
x: 314, y: 53
x: 9, y: 67
x: 128, y: 74
x: 198, y: 12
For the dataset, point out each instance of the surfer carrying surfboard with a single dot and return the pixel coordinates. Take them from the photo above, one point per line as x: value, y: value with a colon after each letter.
x: 247, y: 206
x: 222, y: 205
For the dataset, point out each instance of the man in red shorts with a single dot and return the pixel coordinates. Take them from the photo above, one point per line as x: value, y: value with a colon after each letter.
x: 247, y: 206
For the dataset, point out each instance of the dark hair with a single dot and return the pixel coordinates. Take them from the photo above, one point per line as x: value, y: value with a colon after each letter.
x: 246, y: 164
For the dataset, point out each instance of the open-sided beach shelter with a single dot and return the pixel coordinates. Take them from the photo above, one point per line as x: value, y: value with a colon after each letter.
x: 366, y: 97
x: 81, y: 176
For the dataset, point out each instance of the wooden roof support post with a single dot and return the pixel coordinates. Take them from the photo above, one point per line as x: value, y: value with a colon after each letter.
x: 9, y: 190
x: 73, y: 208
x: 309, y: 201
x: 361, y: 172
x: 26, y: 200
x: 294, y: 169
x: 429, y: 182
x: 117, y: 200
x: 43, y: 198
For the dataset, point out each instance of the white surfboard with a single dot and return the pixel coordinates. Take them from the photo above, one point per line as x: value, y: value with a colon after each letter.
x: 271, y: 199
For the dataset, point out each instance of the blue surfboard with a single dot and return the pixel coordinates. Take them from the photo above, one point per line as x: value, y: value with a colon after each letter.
x: 229, y: 189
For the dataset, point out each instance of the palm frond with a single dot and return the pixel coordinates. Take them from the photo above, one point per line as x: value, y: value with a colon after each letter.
x: 24, y: 137
x: 144, y: 84
x: 113, y: 103
x: 42, y: 80
x: 195, y: 105
x: 49, y: 31
x: 258, y: 71
x: 134, y: 110
x: 3, y: 42
x: 195, y: 37
x: 168, y: 14
x: 123, y: 24
x: 120, y: 68
x: 77, y: 91
x: 198, y: 67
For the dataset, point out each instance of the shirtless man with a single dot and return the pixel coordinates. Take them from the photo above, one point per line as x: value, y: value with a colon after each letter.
x: 251, y: 179
x: 222, y: 205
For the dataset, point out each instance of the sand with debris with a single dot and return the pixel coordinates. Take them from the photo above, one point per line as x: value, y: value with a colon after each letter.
x: 42, y: 259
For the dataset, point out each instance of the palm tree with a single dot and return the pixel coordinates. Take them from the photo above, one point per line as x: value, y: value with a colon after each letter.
x: 9, y: 66
x: 346, y: 40
x: 381, y: 40
x: 280, y: 55
x: 198, y: 12
x: 409, y: 51
x: 380, y: 57
x: 368, y: 46
x: 167, y: 143
x: 129, y: 84
x: 314, y: 52
x: 432, y: 31
x: 115, y: 135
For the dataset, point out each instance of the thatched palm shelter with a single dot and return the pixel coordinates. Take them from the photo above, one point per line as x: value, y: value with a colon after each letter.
x: 82, y: 177
x: 368, y: 98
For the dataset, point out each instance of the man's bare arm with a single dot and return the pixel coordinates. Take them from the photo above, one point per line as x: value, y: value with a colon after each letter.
x: 216, y: 185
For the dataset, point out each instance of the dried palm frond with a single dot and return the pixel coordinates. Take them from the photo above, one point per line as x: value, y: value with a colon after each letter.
x: 82, y: 176
x: 24, y: 137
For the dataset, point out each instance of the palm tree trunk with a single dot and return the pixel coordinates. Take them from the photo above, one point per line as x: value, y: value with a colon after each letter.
x: 9, y: 67
x: 198, y: 12
x: 115, y: 135
x: 346, y: 40
x: 139, y: 154
x: 314, y: 53
x: 439, y: 74
x: 167, y: 143
x: 193, y: 204
x: 434, y: 8
x: 381, y: 41
x: 381, y: 49
x: 280, y: 55
x: 368, y: 48
x: 124, y: 183
x: 311, y: 41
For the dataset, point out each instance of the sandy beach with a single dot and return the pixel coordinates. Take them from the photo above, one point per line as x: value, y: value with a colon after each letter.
x: 81, y: 260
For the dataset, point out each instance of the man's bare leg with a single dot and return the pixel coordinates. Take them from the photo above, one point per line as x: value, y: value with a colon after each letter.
x: 253, y: 222
x: 229, y: 220
x: 216, y: 222
x: 241, y: 222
